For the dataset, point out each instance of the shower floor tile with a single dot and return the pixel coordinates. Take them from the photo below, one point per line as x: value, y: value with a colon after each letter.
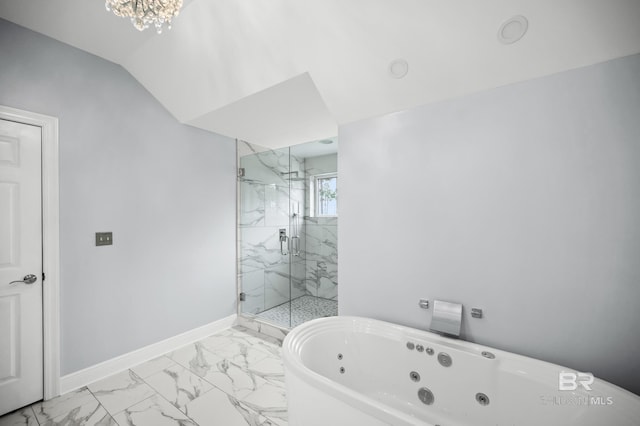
x: 300, y: 310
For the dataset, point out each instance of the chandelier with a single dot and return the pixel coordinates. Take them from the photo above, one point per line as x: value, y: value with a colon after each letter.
x: 146, y: 12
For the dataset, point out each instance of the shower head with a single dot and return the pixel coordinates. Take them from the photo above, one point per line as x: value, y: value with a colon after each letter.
x: 291, y: 176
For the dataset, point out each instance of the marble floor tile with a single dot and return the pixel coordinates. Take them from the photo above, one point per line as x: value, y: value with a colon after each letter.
x: 216, y: 408
x: 86, y: 415
x: 271, y: 350
x: 60, y: 406
x: 153, y: 411
x: 268, y: 400
x: 258, y: 339
x: 270, y: 332
x: 178, y: 385
x: 120, y: 391
x: 196, y: 358
x: 270, y: 369
x: 279, y: 422
x: 217, y: 370
x: 24, y: 417
x: 225, y: 338
x: 153, y: 366
x: 235, y: 377
x: 239, y: 348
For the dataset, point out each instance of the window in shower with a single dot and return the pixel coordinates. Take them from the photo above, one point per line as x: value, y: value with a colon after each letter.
x: 325, y: 187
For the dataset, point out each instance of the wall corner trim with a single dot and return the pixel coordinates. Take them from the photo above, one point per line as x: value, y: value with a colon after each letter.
x: 120, y: 363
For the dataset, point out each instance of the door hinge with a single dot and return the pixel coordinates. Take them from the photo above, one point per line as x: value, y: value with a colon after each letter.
x: 43, y: 276
x: 240, y: 172
x: 243, y: 296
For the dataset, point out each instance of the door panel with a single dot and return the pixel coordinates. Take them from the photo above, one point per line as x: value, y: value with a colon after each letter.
x: 9, y: 244
x: 21, y: 359
x: 9, y: 306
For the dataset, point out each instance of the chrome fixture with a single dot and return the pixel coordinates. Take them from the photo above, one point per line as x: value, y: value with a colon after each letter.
x: 342, y: 370
x: 423, y: 303
x: 429, y: 351
x: 414, y: 376
x: 488, y: 355
x: 482, y: 398
x: 476, y: 312
x: 420, y: 348
x: 445, y: 359
x: 426, y: 396
x: 446, y: 318
x: 340, y: 356
x: 283, y: 241
x: 28, y: 279
x: 295, y: 239
x: 146, y: 12
x: 410, y: 345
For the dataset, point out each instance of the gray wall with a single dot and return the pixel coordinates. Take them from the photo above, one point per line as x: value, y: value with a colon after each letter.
x: 523, y: 200
x: 166, y: 190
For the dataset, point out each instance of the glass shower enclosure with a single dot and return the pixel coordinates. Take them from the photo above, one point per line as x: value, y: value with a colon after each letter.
x: 287, y: 255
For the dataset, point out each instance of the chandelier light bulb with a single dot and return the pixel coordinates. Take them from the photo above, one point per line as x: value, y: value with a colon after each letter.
x: 144, y: 13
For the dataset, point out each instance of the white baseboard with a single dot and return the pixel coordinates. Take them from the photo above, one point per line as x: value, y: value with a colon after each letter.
x: 120, y: 363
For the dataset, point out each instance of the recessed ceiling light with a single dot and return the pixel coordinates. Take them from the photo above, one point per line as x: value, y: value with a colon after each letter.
x: 398, y: 68
x: 513, y: 29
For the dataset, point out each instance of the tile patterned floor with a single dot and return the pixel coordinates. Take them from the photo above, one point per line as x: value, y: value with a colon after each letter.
x: 234, y: 378
x: 300, y: 310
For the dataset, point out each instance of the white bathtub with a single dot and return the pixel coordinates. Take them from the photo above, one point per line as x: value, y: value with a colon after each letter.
x: 376, y: 387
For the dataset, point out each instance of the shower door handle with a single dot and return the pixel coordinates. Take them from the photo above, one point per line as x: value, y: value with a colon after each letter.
x: 283, y: 241
x: 295, y: 246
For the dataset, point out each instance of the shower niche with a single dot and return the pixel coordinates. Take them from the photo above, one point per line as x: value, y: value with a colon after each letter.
x: 287, y: 232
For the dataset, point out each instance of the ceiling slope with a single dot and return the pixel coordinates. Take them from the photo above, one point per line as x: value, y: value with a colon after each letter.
x: 301, y: 116
x: 222, y: 51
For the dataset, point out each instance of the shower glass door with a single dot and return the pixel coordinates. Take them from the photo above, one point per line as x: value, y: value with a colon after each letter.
x: 287, y: 254
x: 264, y: 231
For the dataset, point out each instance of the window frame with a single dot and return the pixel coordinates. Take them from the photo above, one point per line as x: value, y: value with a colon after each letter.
x: 315, y: 195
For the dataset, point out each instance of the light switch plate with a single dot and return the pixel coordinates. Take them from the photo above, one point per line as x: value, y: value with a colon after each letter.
x: 104, y: 238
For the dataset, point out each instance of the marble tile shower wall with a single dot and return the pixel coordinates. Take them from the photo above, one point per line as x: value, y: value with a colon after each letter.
x: 321, y: 257
x: 321, y: 236
x: 264, y: 209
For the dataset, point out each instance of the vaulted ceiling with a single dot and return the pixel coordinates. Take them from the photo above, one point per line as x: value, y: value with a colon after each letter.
x: 281, y: 72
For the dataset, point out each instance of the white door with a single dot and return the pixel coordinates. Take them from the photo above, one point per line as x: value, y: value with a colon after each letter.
x: 21, y: 363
